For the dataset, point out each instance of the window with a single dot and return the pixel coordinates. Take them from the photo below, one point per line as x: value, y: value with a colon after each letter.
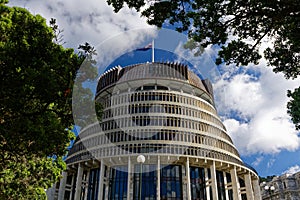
x: 171, y: 183
x: 242, y: 184
x: 148, y: 182
x: 93, y: 184
x: 118, y: 183
x: 198, y: 189
x: 220, y: 185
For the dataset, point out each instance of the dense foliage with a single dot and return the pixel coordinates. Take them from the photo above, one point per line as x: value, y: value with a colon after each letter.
x: 37, y: 76
x: 294, y: 107
x: 239, y: 27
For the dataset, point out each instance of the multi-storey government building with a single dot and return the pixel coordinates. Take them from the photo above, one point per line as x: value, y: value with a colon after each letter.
x: 160, y: 138
x: 285, y: 186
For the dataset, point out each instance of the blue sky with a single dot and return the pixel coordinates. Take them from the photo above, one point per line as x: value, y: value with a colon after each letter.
x: 251, y: 100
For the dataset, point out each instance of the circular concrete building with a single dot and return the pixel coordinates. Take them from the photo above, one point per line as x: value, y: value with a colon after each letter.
x: 159, y: 137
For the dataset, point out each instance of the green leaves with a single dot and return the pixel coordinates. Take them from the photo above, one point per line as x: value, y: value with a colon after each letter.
x: 118, y: 4
x: 37, y: 77
x: 239, y: 52
x: 294, y: 106
x: 211, y: 22
x: 17, y: 181
x: 239, y: 27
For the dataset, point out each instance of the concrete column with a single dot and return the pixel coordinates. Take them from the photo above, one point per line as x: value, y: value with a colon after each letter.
x: 78, y: 182
x: 62, y: 186
x: 249, y: 189
x: 256, y: 189
x: 214, y: 181
x: 101, y: 177
x: 235, y: 184
x: 226, y: 186
x: 51, y: 192
x: 207, y: 184
x: 158, y: 179
x: 129, y: 178
x: 187, y: 173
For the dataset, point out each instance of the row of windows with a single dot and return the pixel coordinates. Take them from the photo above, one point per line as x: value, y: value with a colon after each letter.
x: 151, y: 134
x: 159, y: 108
x: 140, y: 96
x: 171, y: 183
x: 198, y: 184
x: 150, y: 148
x: 145, y: 134
x: 170, y: 135
x: 161, y: 122
x: 170, y: 180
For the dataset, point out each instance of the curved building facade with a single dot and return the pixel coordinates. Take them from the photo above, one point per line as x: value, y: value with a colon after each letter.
x: 165, y: 113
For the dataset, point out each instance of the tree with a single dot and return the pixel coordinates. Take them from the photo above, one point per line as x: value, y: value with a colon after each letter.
x: 238, y: 27
x: 266, y: 179
x: 294, y: 107
x: 37, y: 76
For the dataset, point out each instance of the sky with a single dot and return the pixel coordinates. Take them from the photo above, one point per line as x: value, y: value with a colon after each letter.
x: 250, y: 100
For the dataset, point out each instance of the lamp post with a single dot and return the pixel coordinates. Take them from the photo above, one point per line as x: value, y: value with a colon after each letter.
x: 270, y: 189
x: 140, y: 159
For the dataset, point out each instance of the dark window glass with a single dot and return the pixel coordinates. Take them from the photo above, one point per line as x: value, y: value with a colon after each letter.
x: 242, y: 184
x: 69, y: 179
x: 74, y: 186
x: 230, y: 191
x: 67, y: 195
x: 93, y: 184
x: 198, y: 189
x: 161, y: 87
x: 148, y: 182
x: 220, y: 185
x: 118, y: 183
x: 171, y: 183
x: 148, y: 87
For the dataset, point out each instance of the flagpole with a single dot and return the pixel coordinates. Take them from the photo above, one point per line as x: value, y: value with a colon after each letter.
x: 153, y: 50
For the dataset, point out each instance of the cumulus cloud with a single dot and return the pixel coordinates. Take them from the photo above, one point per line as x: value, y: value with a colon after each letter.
x: 292, y: 170
x: 251, y: 100
x: 253, y: 106
x: 94, y: 22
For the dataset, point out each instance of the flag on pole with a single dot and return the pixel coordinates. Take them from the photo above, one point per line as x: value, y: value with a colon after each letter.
x: 145, y: 48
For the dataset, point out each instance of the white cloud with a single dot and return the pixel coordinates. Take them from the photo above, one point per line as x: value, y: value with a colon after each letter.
x: 270, y: 163
x: 253, y: 106
x: 240, y: 94
x: 292, y: 170
x: 257, y: 161
x: 252, y: 103
x: 259, y: 103
x: 203, y: 64
x: 95, y: 22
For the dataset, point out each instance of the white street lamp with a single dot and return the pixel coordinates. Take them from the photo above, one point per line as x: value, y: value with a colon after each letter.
x: 140, y: 159
x: 270, y: 189
x: 267, y: 187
